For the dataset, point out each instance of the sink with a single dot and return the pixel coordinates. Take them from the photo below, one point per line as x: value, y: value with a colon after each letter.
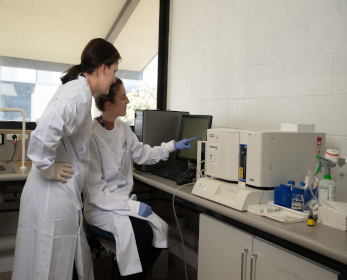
x: 6, y: 168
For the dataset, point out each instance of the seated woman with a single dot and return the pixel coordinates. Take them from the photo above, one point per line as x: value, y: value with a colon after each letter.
x: 139, y: 233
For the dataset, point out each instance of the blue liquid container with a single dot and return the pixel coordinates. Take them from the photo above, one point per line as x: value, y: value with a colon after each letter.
x: 283, y: 195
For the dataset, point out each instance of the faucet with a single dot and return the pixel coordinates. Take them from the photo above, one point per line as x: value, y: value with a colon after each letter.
x: 5, y: 109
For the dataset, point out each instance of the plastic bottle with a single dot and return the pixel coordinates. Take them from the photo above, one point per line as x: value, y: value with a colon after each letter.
x: 298, y: 200
x: 327, y: 187
x: 310, y: 220
x: 291, y: 185
x: 333, y: 155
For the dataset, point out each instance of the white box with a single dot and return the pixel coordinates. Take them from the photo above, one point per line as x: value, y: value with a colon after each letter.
x: 272, y: 157
x: 297, y: 127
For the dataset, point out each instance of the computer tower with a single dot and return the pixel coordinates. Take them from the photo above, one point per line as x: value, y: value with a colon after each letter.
x: 153, y: 127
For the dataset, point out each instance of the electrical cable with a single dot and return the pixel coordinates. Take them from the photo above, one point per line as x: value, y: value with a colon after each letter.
x: 179, y: 228
x: 14, y: 152
x: 199, y: 163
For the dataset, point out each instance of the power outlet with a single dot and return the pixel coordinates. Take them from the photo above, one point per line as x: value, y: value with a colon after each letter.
x: 19, y: 136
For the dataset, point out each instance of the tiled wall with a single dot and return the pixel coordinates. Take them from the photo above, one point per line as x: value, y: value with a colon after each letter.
x: 257, y: 63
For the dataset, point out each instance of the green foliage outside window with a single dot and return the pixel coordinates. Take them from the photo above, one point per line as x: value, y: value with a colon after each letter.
x: 145, y: 98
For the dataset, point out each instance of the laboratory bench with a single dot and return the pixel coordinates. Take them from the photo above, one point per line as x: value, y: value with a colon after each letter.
x: 317, y: 245
x: 224, y: 229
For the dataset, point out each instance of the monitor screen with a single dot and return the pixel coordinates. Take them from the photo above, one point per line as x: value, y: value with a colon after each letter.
x: 191, y: 126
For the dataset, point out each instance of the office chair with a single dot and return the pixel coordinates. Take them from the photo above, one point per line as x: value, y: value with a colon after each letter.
x: 95, y: 246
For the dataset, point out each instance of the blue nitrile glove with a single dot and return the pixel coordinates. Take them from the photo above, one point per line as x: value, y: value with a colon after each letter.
x: 184, y: 144
x: 145, y: 210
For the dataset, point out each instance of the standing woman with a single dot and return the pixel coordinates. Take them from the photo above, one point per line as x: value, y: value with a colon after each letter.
x: 139, y: 233
x: 50, y: 236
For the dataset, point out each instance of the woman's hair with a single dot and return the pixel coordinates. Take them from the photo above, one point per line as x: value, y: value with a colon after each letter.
x: 101, y: 99
x: 97, y: 52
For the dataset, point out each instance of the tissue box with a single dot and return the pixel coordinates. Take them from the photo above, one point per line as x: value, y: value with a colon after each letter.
x: 333, y: 214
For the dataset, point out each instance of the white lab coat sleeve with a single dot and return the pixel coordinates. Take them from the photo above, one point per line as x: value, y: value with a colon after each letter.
x: 134, y: 206
x: 96, y: 188
x: 57, y: 121
x: 145, y: 154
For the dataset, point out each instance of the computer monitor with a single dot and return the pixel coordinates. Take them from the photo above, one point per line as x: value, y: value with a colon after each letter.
x: 191, y: 126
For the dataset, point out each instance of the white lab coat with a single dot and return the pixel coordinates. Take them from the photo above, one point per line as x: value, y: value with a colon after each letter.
x: 50, y: 233
x: 109, y: 184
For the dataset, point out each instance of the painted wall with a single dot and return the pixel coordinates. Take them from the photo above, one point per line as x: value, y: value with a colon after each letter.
x: 257, y: 63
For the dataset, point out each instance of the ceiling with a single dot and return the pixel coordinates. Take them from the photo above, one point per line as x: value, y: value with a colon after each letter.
x: 57, y: 31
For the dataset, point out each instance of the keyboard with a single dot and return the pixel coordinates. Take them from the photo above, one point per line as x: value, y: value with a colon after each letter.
x: 173, y: 173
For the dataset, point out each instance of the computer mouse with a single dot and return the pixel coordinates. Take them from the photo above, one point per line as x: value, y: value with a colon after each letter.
x: 182, y: 180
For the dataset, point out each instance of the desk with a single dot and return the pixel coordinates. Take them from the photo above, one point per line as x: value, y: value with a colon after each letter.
x: 323, y: 244
x: 9, y: 211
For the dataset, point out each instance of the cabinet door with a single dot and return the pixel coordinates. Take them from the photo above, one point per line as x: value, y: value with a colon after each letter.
x: 273, y: 263
x: 220, y: 251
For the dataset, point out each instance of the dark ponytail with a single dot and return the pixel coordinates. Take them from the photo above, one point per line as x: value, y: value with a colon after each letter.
x: 97, y: 52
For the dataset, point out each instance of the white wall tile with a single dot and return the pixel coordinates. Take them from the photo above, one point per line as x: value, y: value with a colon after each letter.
x: 328, y: 113
x: 181, y: 89
x: 233, y: 105
x: 195, y: 12
x: 337, y: 142
x: 233, y: 25
x: 183, y: 41
x: 264, y: 81
x: 249, y: 114
x: 179, y: 18
x: 308, y: 77
x: 178, y: 3
x: 340, y: 75
x: 218, y: 58
x: 299, y: 11
x: 231, y: 84
x: 8, y: 264
x: 248, y: 51
x: 193, y: 107
x: 176, y: 66
x: 218, y: 109
x: 203, y: 87
x: 267, y: 15
x: 216, y: 8
x: 281, y: 110
x: 329, y: 35
x: 288, y: 43
x: 193, y: 63
x: 206, y: 34
x: 343, y: 5
x: 174, y: 106
x: 241, y: 3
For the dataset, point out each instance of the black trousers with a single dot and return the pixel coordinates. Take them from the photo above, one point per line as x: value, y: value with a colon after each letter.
x: 148, y: 254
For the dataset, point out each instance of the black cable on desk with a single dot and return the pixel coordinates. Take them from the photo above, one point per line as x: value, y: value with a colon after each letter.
x: 14, y: 152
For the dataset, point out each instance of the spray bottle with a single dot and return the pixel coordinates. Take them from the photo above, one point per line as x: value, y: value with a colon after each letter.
x: 327, y: 187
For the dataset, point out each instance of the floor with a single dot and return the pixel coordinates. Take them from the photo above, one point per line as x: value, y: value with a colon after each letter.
x: 102, y: 269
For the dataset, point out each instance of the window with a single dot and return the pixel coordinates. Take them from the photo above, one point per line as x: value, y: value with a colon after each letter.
x: 32, y: 60
x: 26, y: 89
